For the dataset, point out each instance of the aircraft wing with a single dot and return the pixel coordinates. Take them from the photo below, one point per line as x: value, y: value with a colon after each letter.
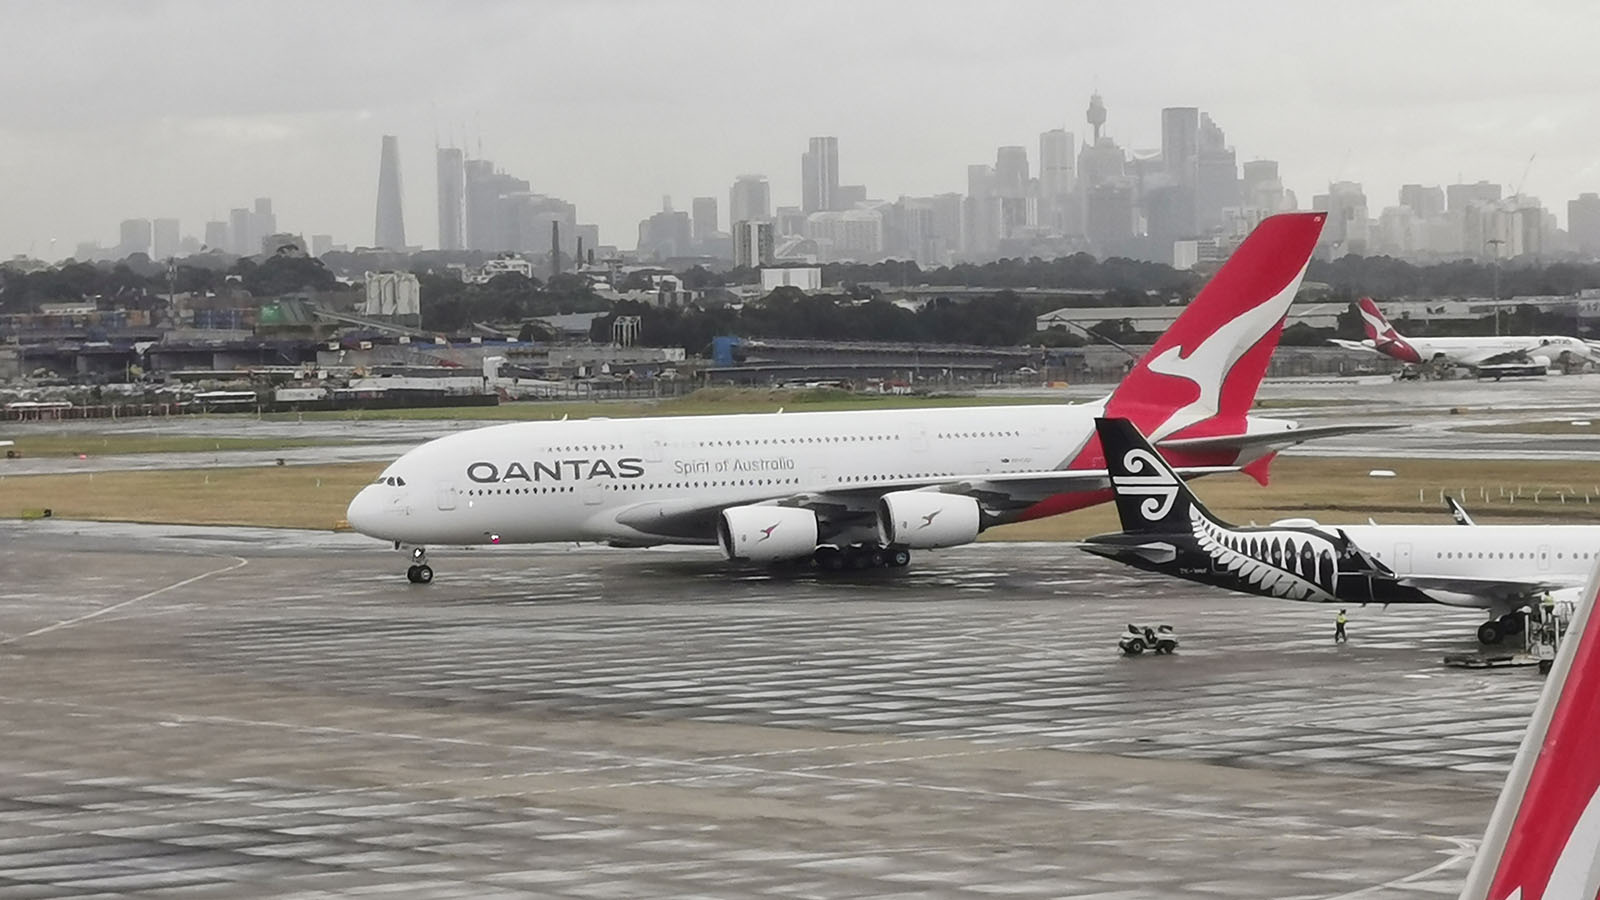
x: 849, y: 504
x: 1271, y: 440
x: 1496, y: 588
x: 1354, y: 345
x: 1503, y: 358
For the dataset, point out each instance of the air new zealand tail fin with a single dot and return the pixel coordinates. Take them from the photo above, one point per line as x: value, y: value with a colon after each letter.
x: 1151, y: 498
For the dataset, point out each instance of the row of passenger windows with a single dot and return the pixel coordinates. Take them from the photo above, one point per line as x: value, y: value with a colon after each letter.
x: 843, y: 479
x: 846, y: 439
x: 747, y: 482
x: 573, y: 448
x: 1501, y: 555
x: 981, y: 434
x: 628, y: 486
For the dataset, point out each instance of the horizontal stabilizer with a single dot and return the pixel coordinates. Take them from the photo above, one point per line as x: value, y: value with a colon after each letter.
x: 1276, y: 440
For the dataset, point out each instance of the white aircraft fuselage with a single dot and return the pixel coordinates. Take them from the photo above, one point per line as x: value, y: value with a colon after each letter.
x: 647, y: 481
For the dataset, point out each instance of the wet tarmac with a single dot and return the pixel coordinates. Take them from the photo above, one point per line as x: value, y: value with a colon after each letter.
x: 191, y: 712
x: 1439, y: 419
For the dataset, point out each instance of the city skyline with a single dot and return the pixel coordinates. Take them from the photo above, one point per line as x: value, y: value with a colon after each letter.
x: 1433, y: 115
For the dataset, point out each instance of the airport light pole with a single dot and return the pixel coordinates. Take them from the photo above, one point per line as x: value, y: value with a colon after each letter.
x: 1495, y: 243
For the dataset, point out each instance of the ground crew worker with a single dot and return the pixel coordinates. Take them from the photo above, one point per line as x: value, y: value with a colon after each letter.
x: 1547, y: 606
x: 1339, y: 637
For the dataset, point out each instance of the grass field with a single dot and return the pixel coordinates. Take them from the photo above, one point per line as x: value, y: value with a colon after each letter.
x: 118, y: 443
x: 1330, y: 490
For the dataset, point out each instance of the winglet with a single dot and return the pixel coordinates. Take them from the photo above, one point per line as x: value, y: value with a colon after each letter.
x: 1458, y: 512
x: 1543, y: 841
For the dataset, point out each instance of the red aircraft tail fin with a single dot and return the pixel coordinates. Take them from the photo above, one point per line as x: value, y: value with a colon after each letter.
x: 1543, y: 841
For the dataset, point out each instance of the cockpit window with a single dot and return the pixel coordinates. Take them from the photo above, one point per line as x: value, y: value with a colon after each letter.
x: 400, y: 481
x: 391, y: 480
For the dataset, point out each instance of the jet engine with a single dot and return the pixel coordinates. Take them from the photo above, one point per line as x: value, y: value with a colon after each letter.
x: 767, y: 533
x: 924, y: 520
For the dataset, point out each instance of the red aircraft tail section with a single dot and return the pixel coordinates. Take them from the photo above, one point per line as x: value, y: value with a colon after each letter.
x: 1543, y: 841
x: 1383, y: 336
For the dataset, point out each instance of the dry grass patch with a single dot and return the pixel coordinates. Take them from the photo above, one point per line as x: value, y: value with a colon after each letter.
x: 276, y: 496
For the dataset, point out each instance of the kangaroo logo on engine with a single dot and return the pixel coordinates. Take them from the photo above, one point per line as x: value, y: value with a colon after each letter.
x: 1147, y: 479
x: 557, y: 470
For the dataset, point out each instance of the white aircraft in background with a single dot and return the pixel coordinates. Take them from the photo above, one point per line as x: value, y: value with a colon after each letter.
x: 1485, y: 356
x: 1543, y: 839
x: 1497, y: 568
x: 860, y: 488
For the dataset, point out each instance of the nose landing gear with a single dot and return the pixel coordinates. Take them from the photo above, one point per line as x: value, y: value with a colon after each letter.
x: 419, y: 572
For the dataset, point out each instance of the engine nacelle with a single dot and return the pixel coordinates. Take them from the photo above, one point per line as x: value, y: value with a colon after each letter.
x: 923, y: 520
x: 767, y: 533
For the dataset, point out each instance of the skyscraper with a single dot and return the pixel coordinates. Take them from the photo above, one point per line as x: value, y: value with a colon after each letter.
x: 750, y: 199
x: 1263, y: 189
x: 1426, y: 202
x: 980, y: 226
x: 452, y: 180
x: 217, y: 236
x: 1056, y: 173
x: 819, y: 175
x: 487, y: 225
x: 263, y: 221
x: 703, y: 214
x: 135, y: 237
x: 1011, y: 187
x: 752, y: 244
x: 1180, y: 137
x: 166, y: 239
x: 1583, y: 223
x: 1216, y: 175
x: 390, y: 232
x: 241, y: 238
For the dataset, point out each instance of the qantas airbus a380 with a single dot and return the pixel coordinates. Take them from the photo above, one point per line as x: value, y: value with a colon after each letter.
x: 860, y: 488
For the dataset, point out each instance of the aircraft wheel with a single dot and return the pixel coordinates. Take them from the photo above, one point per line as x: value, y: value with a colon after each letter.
x: 899, y: 558
x: 420, y: 574
x: 828, y: 559
x: 1489, y: 633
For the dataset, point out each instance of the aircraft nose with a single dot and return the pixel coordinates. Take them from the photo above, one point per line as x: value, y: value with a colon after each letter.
x: 365, y: 512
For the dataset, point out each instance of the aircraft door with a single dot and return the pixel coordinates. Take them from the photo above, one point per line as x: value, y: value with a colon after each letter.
x: 1544, y: 557
x: 652, y: 447
x: 919, y: 438
x: 1402, y: 559
x: 447, y: 495
x: 593, y: 492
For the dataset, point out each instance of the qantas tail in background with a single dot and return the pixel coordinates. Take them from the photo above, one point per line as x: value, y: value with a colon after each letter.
x: 1200, y: 378
x: 1383, y: 336
x: 1543, y: 841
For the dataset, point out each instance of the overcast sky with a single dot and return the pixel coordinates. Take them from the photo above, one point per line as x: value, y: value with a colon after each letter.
x: 114, y: 110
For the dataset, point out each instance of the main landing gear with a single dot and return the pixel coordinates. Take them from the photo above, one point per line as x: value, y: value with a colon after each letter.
x: 419, y: 572
x: 1494, y: 631
x: 858, y: 557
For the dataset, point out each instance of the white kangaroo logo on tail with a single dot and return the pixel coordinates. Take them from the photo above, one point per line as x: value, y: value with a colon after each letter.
x: 1159, y: 487
x: 1209, y: 365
